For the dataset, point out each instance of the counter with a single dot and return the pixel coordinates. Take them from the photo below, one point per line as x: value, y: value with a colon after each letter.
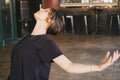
x: 97, y: 22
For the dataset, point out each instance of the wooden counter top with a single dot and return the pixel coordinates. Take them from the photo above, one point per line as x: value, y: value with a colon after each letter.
x: 85, y: 10
x: 75, y: 11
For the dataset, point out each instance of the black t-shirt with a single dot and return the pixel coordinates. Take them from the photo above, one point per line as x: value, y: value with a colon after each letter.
x: 32, y: 57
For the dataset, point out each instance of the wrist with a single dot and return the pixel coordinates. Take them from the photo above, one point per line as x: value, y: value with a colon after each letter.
x: 95, y: 68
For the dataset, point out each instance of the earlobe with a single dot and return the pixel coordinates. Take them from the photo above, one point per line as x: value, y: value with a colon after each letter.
x: 50, y: 21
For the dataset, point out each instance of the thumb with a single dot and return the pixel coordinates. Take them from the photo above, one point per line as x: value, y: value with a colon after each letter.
x: 106, y: 57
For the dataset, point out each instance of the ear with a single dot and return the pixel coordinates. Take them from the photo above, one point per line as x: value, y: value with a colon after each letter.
x: 50, y: 21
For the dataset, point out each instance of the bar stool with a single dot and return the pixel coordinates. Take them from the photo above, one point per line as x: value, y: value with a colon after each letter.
x: 72, y: 23
x: 111, y: 21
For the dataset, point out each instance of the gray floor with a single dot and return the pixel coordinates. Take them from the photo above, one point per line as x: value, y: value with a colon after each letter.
x: 88, y: 49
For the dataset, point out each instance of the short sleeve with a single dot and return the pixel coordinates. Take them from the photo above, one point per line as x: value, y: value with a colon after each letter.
x: 49, y: 51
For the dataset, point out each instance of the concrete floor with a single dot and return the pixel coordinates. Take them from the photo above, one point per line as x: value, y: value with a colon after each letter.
x: 88, y: 49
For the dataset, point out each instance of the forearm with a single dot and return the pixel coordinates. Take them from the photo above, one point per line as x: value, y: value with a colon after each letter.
x: 82, y: 68
x: 71, y: 67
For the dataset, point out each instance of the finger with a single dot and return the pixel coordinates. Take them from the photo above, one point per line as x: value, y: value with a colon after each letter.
x: 109, y: 62
x: 115, y: 56
x: 106, y: 57
x: 108, y: 54
x: 118, y: 53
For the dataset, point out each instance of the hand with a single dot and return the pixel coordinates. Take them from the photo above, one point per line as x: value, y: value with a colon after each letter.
x: 108, y: 60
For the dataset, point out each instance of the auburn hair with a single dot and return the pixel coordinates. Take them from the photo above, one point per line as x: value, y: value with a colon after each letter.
x: 57, y: 24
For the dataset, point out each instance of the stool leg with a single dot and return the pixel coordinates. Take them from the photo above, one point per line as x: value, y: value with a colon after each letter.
x: 64, y: 24
x: 110, y: 24
x: 86, y: 28
x: 118, y: 17
x: 72, y: 24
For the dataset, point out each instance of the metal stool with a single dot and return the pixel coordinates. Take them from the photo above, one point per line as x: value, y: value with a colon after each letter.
x: 118, y: 19
x: 72, y: 23
x: 71, y: 19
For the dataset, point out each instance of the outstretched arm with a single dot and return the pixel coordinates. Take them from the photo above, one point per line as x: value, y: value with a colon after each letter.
x: 71, y: 67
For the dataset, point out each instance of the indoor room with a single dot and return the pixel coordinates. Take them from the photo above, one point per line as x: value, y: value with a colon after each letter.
x: 90, y: 35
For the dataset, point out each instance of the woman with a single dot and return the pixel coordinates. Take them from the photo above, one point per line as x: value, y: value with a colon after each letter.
x: 32, y: 57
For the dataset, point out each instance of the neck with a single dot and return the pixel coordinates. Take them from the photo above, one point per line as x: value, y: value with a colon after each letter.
x: 39, y: 29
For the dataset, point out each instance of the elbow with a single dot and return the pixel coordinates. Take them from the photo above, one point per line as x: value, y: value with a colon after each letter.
x: 70, y: 69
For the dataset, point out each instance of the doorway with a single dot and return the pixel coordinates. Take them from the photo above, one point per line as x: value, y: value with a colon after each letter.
x: 7, y: 22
